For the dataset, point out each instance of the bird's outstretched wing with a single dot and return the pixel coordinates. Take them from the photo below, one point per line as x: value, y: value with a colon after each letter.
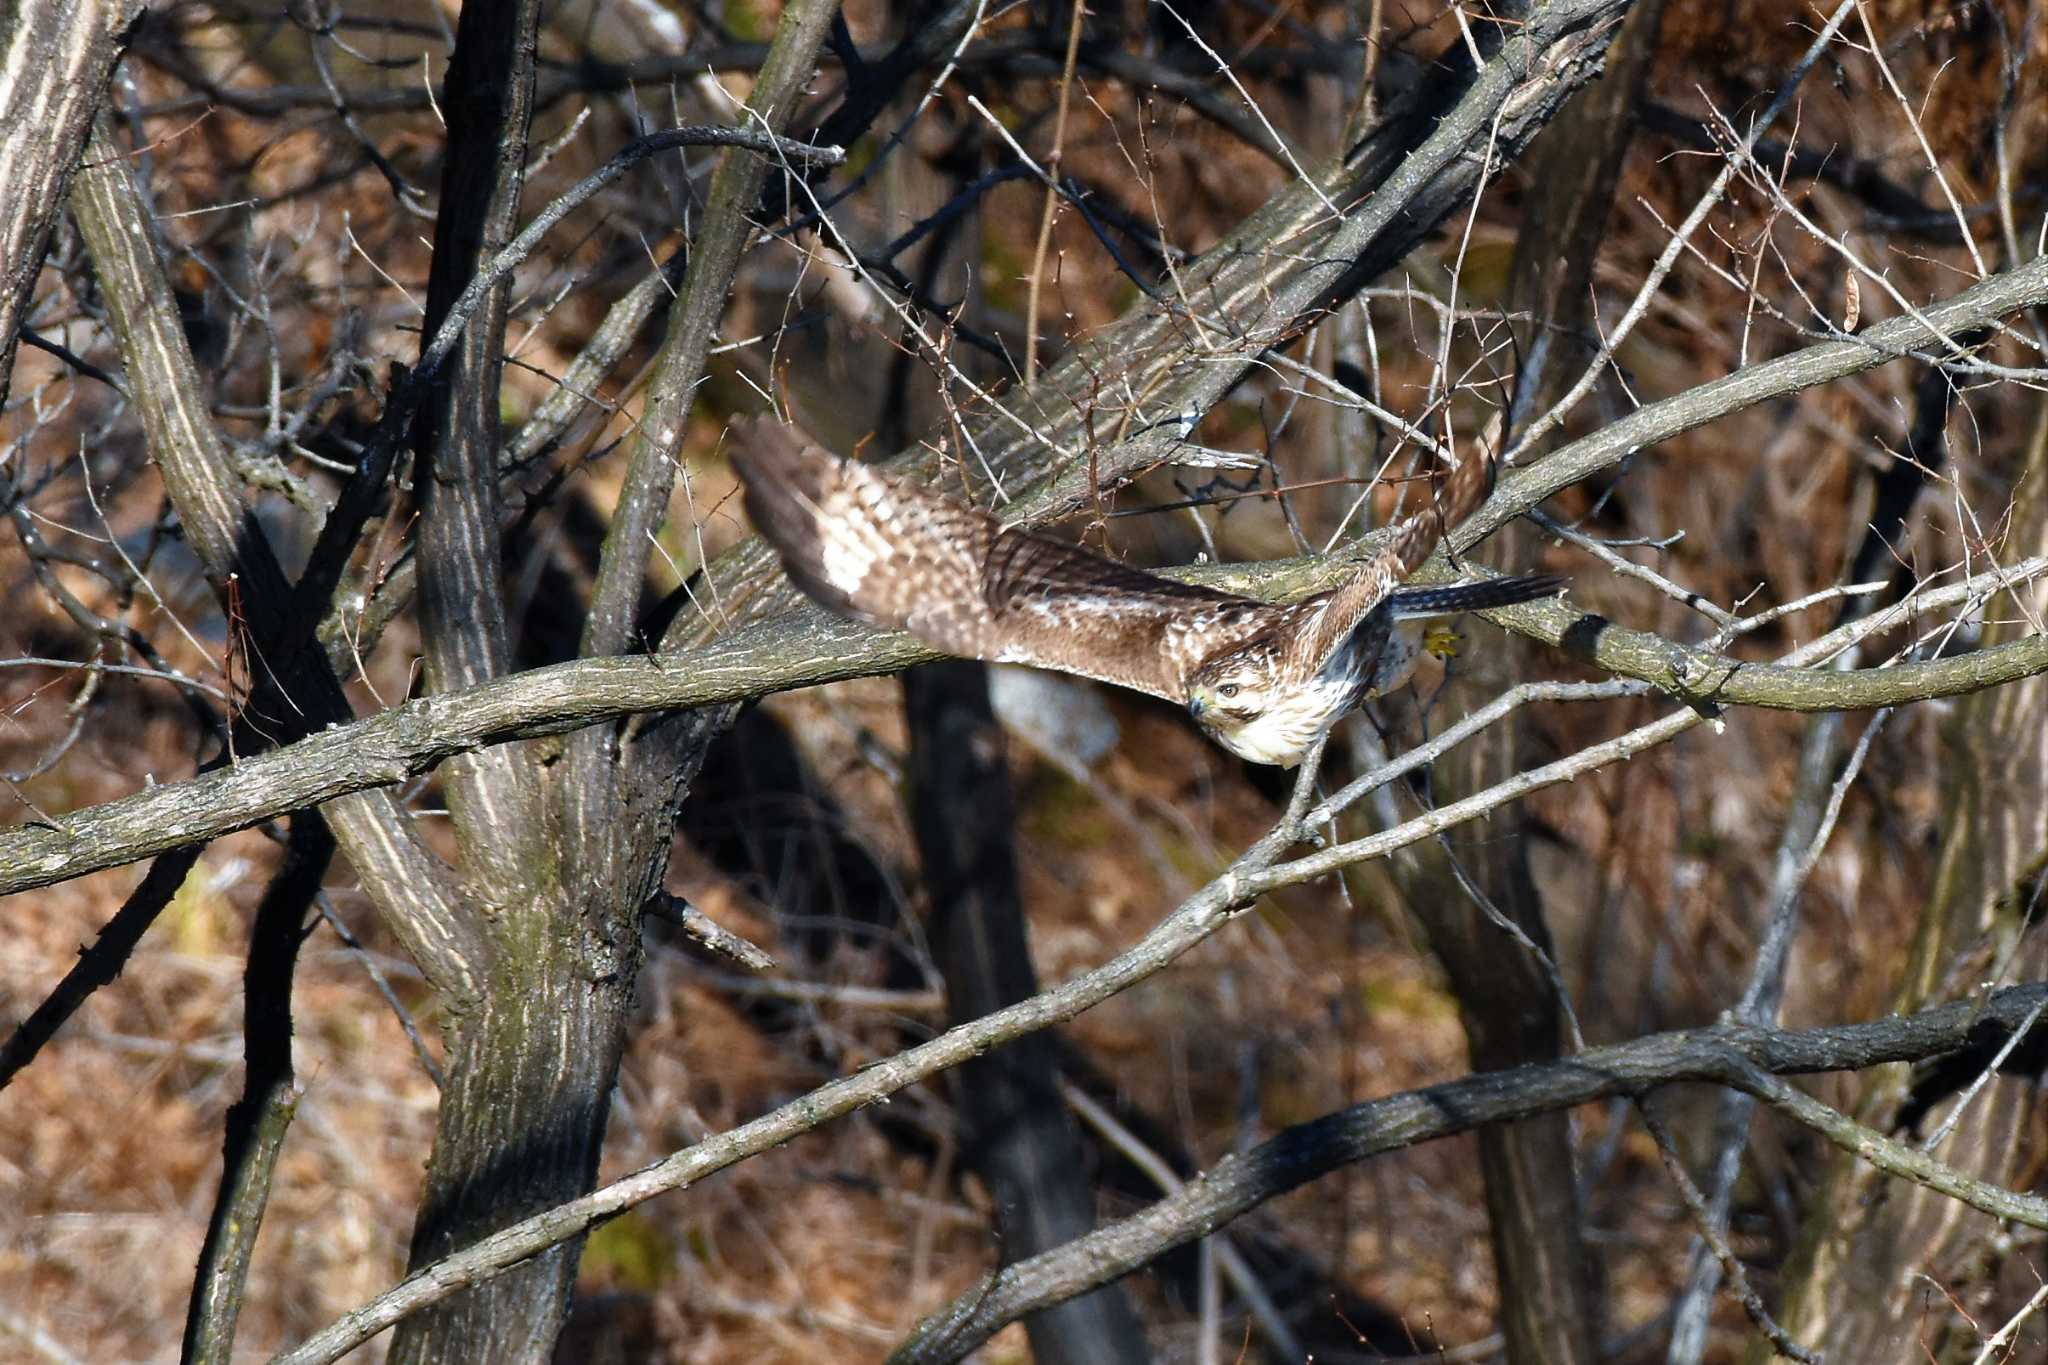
x: 891, y: 552
x: 1415, y: 537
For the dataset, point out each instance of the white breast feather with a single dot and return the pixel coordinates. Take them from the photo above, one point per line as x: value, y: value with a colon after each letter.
x: 1282, y: 734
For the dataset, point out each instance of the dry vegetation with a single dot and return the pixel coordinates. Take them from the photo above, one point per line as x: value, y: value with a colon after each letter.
x: 299, y: 275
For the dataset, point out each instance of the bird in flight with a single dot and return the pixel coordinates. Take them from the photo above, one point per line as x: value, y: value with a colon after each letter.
x: 1264, y: 680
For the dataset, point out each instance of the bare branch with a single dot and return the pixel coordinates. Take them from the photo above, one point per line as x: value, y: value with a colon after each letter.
x: 1726, y: 1053
x: 1888, y: 1154
x: 299, y: 691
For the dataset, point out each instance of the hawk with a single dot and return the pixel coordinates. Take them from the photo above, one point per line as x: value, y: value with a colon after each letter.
x: 1263, y: 680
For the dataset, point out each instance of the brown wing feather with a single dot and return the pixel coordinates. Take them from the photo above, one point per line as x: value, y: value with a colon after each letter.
x: 1417, y: 535
x: 888, y: 551
x: 1415, y: 538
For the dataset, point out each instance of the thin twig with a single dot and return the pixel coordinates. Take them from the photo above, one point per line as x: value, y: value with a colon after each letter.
x: 1708, y: 1229
x: 709, y: 934
x: 1036, y: 284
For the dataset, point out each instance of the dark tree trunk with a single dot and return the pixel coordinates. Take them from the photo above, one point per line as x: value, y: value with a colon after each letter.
x: 1549, y: 1275
x: 522, y: 1119
x: 1014, y: 1129
x: 532, y: 1065
x: 257, y: 1122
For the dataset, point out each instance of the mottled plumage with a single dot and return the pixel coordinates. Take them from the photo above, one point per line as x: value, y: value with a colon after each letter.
x: 1262, y: 680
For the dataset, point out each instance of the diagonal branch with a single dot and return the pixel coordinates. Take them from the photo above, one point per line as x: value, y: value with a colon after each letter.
x: 256, y: 1123
x: 57, y: 57
x: 714, y: 256
x: 1723, y: 1053
x: 297, y: 689
x: 2022, y: 287
x: 1268, y: 280
x: 1742, y: 1055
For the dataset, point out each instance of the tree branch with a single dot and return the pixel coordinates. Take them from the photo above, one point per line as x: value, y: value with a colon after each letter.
x: 494, y: 797
x: 2022, y: 287
x: 1727, y: 1053
x: 256, y: 1124
x: 1267, y: 280
x: 99, y: 964
x: 803, y: 650
x: 621, y: 793
x: 58, y: 57
x: 1888, y: 1154
x: 296, y: 691
x: 1721, y: 1053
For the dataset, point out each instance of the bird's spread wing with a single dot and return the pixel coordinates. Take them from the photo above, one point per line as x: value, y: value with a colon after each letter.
x: 1409, y: 603
x: 891, y: 552
x: 1415, y: 537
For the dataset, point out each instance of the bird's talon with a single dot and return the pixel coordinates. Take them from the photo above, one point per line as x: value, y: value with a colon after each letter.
x: 1442, y: 641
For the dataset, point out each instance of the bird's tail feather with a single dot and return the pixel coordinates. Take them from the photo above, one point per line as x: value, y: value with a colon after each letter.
x: 1409, y: 603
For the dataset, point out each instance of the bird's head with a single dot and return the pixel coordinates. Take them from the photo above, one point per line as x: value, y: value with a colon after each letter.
x: 1230, y: 692
x: 1249, y: 702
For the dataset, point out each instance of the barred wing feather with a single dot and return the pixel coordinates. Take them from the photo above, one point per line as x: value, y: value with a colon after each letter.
x: 890, y: 552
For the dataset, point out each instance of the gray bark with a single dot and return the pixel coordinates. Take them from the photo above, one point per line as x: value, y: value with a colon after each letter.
x: 57, y: 55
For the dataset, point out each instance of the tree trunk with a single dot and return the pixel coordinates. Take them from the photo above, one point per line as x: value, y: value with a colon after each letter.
x: 521, y: 1122
x: 1014, y: 1129
x: 1857, y: 1290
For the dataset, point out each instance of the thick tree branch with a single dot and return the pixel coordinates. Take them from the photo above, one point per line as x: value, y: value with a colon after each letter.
x: 807, y: 649
x: 57, y: 57
x: 1743, y: 1055
x: 1267, y: 280
x: 296, y: 691
x: 465, y: 637
x: 1197, y: 918
x: 620, y: 793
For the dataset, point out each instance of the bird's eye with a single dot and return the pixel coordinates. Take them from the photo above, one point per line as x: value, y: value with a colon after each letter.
x: 1227, y: 691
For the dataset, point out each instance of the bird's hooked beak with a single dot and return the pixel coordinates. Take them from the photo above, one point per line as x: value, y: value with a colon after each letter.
x: 1196, y: 705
